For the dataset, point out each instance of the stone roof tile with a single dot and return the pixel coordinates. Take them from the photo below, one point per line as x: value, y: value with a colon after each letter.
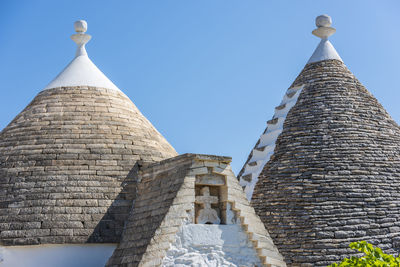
x: 334, y: 176
x: 65, y: 166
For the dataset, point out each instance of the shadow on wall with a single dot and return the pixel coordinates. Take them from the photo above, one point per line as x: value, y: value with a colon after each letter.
x: 110, y: 227
x: 156, y: 192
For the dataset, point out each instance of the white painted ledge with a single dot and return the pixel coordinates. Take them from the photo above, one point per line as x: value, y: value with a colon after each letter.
x: 83, y: 255
x: 265, y: 149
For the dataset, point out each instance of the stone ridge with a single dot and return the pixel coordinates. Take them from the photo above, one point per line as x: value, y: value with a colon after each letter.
x: 65, y: 166
x: 192, y: 156
x: 334, y: 177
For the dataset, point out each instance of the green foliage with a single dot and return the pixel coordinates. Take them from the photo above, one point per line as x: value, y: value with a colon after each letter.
x: 373, y: 257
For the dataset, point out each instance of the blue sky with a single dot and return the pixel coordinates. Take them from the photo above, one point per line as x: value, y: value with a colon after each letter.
x: 207, y: 74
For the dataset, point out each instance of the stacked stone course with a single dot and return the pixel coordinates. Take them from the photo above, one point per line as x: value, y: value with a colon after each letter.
x: 334, y: 177
x: 64, y: 166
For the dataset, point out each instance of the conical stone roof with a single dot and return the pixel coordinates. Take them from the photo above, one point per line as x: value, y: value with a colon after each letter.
x: 334, y: 175
x: 65, y: 159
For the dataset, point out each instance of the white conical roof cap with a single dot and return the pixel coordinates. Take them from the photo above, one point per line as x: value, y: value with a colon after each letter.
x: 81, y: 71
x: 325, y: 49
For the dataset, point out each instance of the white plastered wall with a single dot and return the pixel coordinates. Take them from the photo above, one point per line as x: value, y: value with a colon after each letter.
x: 211, y: 245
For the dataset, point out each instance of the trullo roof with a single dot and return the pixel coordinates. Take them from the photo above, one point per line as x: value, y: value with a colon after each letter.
x: 65, y: 159
x: 326, y: 171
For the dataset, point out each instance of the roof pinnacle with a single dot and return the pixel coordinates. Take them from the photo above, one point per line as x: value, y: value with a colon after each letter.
x: 81, y: 38
x: 81, y: 71
x: 80, y: 26
x: 324, y: 29
x: 325, y: 49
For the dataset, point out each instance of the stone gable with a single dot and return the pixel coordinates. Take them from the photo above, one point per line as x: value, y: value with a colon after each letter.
x: 171, y: 202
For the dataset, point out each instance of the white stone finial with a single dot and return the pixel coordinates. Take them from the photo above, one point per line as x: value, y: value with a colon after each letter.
x: 81, y: 38
x: 323, y: 21
x: 325, y: 49
x: 80, y: 26
x: 81, y: 71
x: 324, y: 29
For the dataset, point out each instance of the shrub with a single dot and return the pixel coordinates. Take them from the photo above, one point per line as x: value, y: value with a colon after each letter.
x: 373, y: 257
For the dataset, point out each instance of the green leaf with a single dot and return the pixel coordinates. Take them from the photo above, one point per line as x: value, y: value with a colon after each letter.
x: 373, y: 257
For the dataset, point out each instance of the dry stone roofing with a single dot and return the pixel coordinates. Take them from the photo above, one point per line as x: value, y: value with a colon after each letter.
x: 81, y: 164
x: 334, y: 175
x: 167, y: 202
x: 65, y: 164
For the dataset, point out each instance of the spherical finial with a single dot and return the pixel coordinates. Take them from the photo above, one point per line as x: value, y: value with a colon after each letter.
x: 323, y: 21
x: 80, y: 37
x: 80, y: 26
x: 324, y: 29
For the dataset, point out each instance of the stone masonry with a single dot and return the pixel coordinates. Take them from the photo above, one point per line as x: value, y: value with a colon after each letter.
x: 65, y: 164
x: 166, y: 201
x: 334, y: 177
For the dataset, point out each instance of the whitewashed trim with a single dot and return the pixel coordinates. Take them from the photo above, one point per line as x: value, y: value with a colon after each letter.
x: 266, y: 144
x: 324, y: 51
x: 81, y: 72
